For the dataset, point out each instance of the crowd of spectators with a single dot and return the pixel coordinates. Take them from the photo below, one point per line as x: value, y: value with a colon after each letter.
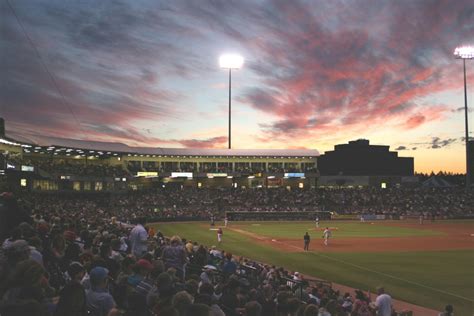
x: 193, y: 203
x: 80, y: 168
x: 63, y: 263
x: 219, y: 167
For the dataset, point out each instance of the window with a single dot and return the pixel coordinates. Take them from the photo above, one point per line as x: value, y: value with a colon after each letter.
x: 45, y: 185
x: 76, y: 186
x: 98, y: 186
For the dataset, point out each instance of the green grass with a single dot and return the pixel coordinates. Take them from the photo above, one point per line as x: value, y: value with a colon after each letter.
x: 296, y: 230
x: 432, y: 279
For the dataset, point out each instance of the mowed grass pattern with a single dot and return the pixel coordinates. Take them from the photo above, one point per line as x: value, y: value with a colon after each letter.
x: 432, y: 279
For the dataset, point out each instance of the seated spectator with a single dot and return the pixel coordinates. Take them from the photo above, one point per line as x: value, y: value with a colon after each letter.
x: 141, y: 270
x: 253, y: 308
x: 72, y: 300
x: 198, y: 310
x: 182, y: 301
x: 99, y: 301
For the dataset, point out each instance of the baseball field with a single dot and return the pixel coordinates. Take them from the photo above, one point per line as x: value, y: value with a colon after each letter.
x: 429, y: 265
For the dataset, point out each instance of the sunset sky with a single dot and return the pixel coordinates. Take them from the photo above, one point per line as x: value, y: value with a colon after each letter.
x: 316, y: 73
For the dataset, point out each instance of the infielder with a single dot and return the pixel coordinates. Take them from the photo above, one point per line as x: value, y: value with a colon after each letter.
x: 226, y: 221
x: 326, y: 236
x: 317, y: 221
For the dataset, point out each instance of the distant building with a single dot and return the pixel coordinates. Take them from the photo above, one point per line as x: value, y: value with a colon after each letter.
x: 359, y: 158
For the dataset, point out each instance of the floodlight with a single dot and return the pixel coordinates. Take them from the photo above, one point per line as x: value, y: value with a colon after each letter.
x: 231, y: 61
x: 464, y: 52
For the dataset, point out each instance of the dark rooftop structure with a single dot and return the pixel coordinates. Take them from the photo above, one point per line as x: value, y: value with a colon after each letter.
x: 359, y: 158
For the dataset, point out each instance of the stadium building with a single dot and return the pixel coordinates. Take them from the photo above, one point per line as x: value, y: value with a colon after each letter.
x: 42, y: 163
x: 360, y: 164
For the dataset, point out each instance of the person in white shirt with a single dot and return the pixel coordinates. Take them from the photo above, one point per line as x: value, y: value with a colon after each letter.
x: 326, y: 235
x: 139, y: 238
x: 383, y: 303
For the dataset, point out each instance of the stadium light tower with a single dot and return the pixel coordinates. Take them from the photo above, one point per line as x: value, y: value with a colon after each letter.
x: 465, y: 52
x: 230, y: 61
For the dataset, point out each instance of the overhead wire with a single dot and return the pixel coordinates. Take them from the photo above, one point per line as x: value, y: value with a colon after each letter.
x: 43, y: 64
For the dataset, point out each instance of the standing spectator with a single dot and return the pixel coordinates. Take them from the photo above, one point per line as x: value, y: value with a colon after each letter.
x: 139, y: 238
x: 174, y: 256
x: 448, y: 311
x: 383, y: 303
x: 11, y: 214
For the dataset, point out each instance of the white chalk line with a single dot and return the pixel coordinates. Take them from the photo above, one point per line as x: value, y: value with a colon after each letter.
x: 378, y: 272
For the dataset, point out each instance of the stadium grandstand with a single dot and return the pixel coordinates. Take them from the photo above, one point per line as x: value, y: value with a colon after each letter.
x: 50, y: 163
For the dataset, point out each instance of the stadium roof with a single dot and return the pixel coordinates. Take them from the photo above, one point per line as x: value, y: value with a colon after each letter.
x: 49, y: 141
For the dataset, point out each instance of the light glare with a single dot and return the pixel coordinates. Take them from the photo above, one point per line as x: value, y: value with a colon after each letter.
x: 231, y: 61
x: 464, y: 52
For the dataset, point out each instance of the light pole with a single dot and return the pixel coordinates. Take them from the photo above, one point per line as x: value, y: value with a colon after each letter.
x: 230, y: 62
x: 465, y: 52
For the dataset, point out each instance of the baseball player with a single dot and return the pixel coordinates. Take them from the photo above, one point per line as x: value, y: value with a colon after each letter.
x: 219, y: 235
x: 317, y: 221
x: 226, y: 221
x: 326, y: 236
x: 306, y: 241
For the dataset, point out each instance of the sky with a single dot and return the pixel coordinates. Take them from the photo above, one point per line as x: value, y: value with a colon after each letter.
x: 316, y: 73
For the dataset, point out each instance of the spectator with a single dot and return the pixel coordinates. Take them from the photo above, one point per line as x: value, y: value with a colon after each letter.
x: 383, y: 303
x: 253, y: 308
x: 139, y: 238
x: 174, y: 256
x: 99, y: 301
x: 448, y: 311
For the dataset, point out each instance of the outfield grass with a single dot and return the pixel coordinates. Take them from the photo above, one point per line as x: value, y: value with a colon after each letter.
x: 296, y: 230
x: 431, y: 279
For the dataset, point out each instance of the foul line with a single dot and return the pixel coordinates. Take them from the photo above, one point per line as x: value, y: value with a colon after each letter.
x: 377, y: 272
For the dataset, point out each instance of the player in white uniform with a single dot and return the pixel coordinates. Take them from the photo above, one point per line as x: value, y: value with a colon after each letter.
x: 219, y: 235
x: 326, y: 236
x: 226, y: 221
x: 317, y: 222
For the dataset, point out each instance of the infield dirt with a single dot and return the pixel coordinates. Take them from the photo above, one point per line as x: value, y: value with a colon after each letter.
x: 456, y: 237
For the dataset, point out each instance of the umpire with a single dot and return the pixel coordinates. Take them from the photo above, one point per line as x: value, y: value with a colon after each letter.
x: 307, y: 239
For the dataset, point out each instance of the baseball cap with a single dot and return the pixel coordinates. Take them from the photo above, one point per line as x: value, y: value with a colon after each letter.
x: 143, y: 263
x: 98, y: 274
